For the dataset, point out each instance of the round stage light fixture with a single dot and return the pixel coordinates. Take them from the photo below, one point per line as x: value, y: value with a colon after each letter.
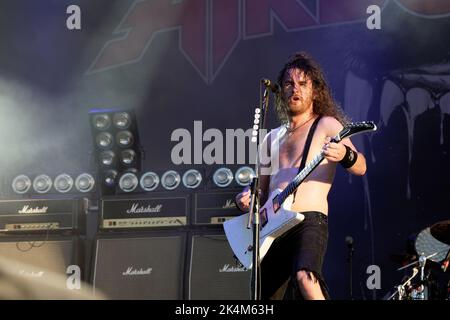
x: 149, y: 181
x: 104, y: 140
x: 192, y: 179
x: 128, y: 182
x: 63, y: 183
x: 109, y: 178
x: 107, y: 158
x: 101, y: 121
x: 170, y: 180
x: 42, y: 183
x: 84, y: 182
x: 124, y: 139
x: 128, y: 157
x: 21, y: 184
x: 223, y: 177
x: 244, y: 176
x: 122, y: 120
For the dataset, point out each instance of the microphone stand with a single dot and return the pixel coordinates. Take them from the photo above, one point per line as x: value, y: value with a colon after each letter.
x: 423, y: 292
x: 350, y: 268
x: 254, y: 219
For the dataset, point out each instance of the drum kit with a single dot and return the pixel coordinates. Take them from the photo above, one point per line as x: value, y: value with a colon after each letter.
x: 428, y: 268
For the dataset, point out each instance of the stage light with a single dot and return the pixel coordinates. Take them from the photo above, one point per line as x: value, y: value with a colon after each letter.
x: 109, y: 178
x: 244, y: 176
x: 192, y: 179
x: 223, y: 177
x: 104, y: 140
x: 170, y: 180
x: 84, y: 182
x: 117, y: 148
x: 107, y: 158
x: 21, y: 184
x: 128, y: 182
x: 124, y: 139
x: 42, y: 183
x: 127, y: 157
x: 101, y: 121
x: 63, y: 183
x: 149, y: 181
x: 122, y: 120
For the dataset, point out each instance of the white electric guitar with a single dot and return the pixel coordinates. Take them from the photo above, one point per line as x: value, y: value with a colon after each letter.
x: 275, y: 216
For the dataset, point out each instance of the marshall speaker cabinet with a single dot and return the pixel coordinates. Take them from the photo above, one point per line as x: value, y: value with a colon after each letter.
x: 213, y: 273
x: 43, y: 215
x: 140, y: 266
x: 41, y: 255
x: 148, y: 212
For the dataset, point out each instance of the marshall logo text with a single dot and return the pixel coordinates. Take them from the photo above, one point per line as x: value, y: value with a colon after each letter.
x: 34, y: 274
x: 229, y: 204
x: 137, y: 272
x: 27, y: 209
x: 228, y: 268
x: 135, y: 208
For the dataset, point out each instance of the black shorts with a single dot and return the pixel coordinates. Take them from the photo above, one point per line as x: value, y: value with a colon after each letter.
x: 301, y: 248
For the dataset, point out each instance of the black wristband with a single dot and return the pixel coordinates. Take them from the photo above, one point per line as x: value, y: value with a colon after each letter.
x: 349, y: 159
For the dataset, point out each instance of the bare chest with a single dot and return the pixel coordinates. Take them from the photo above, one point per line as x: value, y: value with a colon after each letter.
x: 291, y: 151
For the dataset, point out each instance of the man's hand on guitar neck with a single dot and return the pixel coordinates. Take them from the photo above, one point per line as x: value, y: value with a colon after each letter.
x: 332, y: 151
x: 346, y: 155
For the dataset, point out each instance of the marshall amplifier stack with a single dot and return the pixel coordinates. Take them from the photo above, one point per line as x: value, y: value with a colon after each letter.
x: 148, y: 212
x: 41, y: 243
x: 213, y: 272
x: 144, y: 258
x: 43, y: 215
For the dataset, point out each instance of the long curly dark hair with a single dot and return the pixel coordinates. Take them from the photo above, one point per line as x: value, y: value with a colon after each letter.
x: 323, y: 103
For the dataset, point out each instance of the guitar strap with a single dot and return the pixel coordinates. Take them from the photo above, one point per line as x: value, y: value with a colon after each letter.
x: 306, y: 148
x: 308, y: 144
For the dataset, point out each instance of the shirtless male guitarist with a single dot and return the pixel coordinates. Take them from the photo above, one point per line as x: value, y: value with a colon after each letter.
x: 304, y: 99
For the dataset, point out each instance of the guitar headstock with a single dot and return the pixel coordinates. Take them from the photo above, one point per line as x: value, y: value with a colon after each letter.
x: 353, y: 128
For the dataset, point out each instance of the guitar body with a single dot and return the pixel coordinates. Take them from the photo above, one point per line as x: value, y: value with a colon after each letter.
x: 272, y: 225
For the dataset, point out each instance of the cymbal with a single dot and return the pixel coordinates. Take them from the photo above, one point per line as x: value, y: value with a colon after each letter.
x: 428, y: 246
x: 441, y: 231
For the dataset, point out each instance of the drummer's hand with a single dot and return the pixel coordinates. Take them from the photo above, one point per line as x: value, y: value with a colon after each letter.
x: 243, y: 199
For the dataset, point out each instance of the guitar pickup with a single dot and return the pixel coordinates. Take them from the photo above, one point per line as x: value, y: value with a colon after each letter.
x: 275, y: 204
x: 262, y: 218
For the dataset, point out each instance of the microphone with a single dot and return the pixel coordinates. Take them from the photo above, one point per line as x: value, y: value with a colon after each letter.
x: 349, y: 242
x: 274, y: 87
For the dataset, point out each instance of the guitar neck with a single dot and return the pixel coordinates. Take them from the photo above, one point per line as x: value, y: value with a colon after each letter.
x: 300, y: 177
